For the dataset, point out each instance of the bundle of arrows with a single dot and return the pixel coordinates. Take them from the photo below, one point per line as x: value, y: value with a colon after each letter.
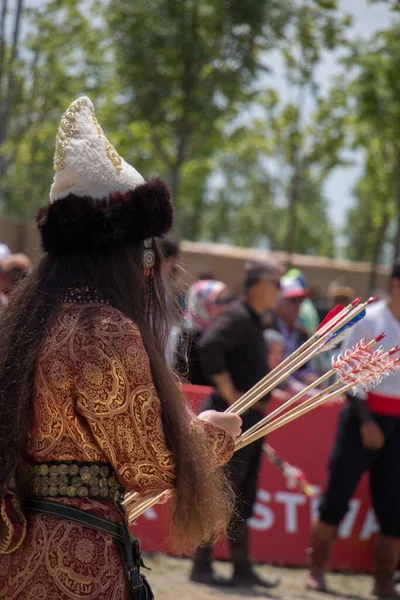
x: 360, y: 367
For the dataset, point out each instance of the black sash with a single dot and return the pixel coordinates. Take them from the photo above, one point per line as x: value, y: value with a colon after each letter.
x: 128, y: 546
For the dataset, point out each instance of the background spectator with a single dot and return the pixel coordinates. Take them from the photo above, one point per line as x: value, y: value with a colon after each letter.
x: 206, y: 300
x: 12, y: 268
x: 234, y: 356
x: 308, y: 314
x: 286, y: 320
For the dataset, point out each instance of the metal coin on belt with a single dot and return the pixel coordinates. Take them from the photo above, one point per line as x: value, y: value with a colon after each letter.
x: 95, y: 491
x: 53, y: 491
x: 63, y: 469
x: 104, y: 492
x: 72, y: 492
x: 76, y: 482
x: 86, y: 476
x: 63, y: 490
x: 94, y: 470
x: 54, y: 470
x: 104, y: 471
x: 43, y: 469
x: 103, y: 482
x: 83, y: 492
x: 73, y: 470
x: 84, y: 469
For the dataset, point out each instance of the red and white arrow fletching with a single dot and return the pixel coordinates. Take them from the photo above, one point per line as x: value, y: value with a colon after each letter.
x: 365, y: 366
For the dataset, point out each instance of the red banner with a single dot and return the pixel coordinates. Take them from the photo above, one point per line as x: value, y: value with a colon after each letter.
x: 280, y: 525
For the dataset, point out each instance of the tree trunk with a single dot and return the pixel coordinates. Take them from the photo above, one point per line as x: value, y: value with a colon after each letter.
x: 175, y: 182
x: 3, y: 15
x: 9, y: 91
x: 396, y: 248
x: 294, y: 194
x: 380, y: 238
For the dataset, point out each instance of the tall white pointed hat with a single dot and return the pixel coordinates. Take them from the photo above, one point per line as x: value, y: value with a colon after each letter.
x: 86, y: 163
x: 97, y: 199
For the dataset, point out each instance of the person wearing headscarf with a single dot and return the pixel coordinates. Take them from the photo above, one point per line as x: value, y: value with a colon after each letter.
x: 88, y: 407
x: 206, y: 300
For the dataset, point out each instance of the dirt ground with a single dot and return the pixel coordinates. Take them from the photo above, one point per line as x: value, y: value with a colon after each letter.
x: 169, y: 580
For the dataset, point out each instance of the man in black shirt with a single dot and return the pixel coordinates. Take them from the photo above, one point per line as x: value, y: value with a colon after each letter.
x: 234, y: 356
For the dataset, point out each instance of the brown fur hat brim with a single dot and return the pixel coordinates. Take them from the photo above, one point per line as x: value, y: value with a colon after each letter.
x: 82, y: 224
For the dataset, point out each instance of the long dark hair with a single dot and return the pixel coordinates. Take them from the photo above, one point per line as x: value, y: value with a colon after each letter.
x: 203, y: 500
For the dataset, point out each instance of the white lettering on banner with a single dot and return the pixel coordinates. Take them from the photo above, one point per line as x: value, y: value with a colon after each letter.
x: 370, y: 526
x: 291, y: 502
x: 347, y: 525
x: 263, y: 517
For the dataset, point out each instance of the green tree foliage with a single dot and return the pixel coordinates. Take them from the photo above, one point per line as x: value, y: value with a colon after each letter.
x: 184, y: 89
x: 373, y: 105
x: 306, y: 156
x: 185, y: 66
x: 58, y: 59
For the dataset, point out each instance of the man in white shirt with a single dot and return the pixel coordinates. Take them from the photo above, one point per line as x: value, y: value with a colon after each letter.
x: 368, y: 438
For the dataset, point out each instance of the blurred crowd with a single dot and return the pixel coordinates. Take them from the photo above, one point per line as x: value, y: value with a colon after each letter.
x: 286, y: 326
x: 229, y: 342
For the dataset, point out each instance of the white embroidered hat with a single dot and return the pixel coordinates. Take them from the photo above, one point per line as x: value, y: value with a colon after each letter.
x: 86, y: 163
x: 97, y: 200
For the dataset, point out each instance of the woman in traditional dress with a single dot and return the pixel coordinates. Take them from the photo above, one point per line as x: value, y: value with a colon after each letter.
x: 88, y: 407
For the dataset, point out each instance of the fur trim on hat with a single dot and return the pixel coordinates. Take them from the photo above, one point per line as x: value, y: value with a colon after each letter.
x: 78, y: 224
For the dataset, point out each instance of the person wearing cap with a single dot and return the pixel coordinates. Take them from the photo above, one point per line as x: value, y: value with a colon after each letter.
x: 234, y: 358
x: 88, y: 406
x: 368, y: 439
x: 308, y: 313
x: 286, y: 321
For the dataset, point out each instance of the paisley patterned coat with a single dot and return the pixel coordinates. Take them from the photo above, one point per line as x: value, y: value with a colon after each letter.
x: 94, y: 402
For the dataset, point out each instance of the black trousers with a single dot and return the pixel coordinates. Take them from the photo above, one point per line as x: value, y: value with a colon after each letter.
x: 348, y: 462
x: 243, y: 468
